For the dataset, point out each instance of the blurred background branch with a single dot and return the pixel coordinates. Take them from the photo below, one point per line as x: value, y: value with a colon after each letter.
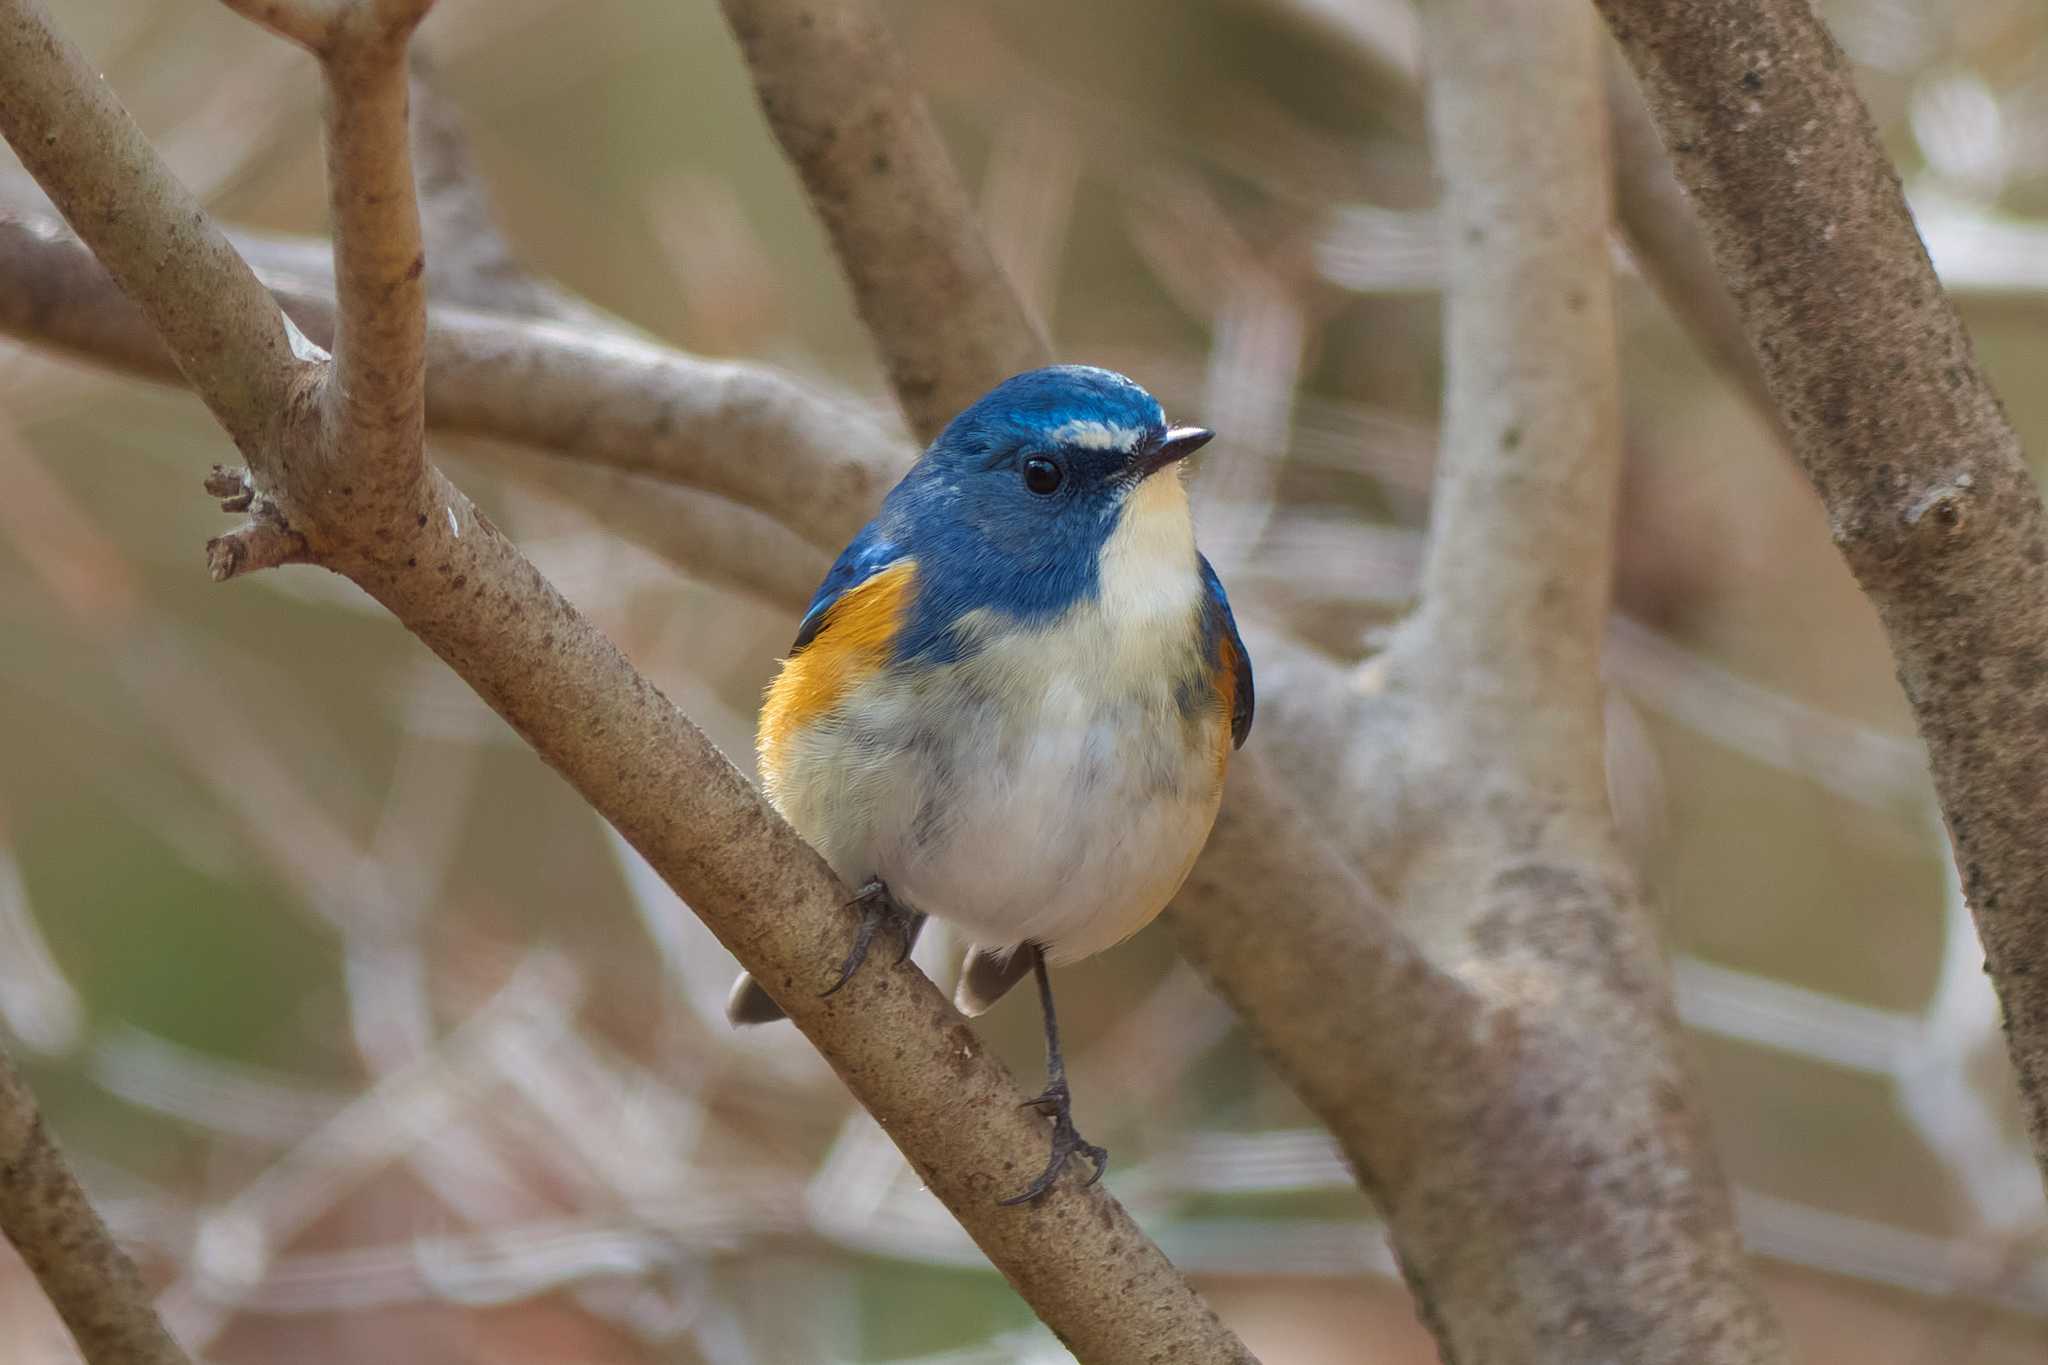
x: 191, y: 1017
x: 1517, y: 1012
x: 336, y: 466
x: 854, y: 123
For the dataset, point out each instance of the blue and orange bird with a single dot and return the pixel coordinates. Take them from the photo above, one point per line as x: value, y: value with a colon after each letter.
x: 1012, y: 700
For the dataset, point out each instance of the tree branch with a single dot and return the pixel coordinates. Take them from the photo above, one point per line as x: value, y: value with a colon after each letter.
x: 425, y: 552
x: 373, y: 406
x: 1515, y: 585
x: 744, y: 432
x: 1521, y: 1115
x: 715, y: 540
x: 1664, y: 237
x: 1487, y: 1030
x: 1650, y: 209
x: 473, y: 264
x: 1927, y: 490
x: 840, y: 102
x: 309, y: 23
x: 74, y: 137
x: 89, y: 1279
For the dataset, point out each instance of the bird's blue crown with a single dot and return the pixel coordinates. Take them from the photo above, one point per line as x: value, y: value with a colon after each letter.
x: 1076, y: 408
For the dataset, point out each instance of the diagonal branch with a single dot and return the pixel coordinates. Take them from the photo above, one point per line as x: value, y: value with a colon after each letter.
x: 44, y: 1213
x: 1927, y: 490
x: 410, y: 539
x: 709, y: 537
x: 63, y: 121
x: 1485, y: 1027
x: 847, y: 113
x: 742, y: 431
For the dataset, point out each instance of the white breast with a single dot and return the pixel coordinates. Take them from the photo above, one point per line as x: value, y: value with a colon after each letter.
x: 1053, y: 787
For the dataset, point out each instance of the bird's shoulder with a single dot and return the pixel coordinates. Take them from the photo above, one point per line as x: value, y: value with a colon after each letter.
x: 851, y: 585
x: 1233, y: 663
x: 845, y: 640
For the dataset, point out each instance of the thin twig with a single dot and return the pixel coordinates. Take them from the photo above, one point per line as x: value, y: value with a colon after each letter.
x: 374, y: 402
x: 413, y: 542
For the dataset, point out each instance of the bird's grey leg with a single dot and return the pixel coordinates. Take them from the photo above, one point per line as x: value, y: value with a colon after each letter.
x: 878, y: 910
x: 1056, y: 1102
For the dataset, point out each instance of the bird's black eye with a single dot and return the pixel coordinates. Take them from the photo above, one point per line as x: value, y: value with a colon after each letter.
x: 1042, y: 476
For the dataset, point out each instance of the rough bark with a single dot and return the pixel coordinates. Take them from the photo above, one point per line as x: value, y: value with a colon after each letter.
x: 1927, y: 491
x: 1481, y: 1018
x: 89, y: 1280
x: 335, y: 456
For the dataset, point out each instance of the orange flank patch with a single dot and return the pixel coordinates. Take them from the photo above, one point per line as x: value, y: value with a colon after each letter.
x: 1226, y: 690
x: 852, y: 644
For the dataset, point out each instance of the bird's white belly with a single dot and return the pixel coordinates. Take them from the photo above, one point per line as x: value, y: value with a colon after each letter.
x: 1055, y: 784
x: 1019, y: 803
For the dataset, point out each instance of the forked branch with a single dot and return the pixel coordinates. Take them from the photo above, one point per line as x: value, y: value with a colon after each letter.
x: 337, y: 448
x: 1508, y: 1141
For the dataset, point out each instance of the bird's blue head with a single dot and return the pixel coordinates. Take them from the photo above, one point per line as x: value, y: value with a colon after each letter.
x: 1016, y: 502
x: 1044, y: 466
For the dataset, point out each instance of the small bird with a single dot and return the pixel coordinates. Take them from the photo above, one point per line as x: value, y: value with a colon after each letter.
x: 1012, y: 700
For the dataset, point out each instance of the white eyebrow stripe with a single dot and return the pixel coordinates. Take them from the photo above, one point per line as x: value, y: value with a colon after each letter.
x: 1090, y: 434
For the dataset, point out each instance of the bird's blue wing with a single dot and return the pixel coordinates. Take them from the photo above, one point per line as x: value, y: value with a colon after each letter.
x: 1221, y: 628
x: 866, y: 555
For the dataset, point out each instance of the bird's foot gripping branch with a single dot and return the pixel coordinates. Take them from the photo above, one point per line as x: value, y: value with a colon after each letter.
x: 940, y: 721
x: 337, y: 476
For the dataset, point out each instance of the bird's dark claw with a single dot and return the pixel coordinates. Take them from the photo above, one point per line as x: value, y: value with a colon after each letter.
x: 1067, y: 1143
x: 878, y: 910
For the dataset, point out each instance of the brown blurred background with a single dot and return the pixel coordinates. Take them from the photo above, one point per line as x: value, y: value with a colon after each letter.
x: 371, y: 1039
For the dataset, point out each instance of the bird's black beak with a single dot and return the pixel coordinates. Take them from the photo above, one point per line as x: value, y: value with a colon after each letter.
x: 1177, y: 444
